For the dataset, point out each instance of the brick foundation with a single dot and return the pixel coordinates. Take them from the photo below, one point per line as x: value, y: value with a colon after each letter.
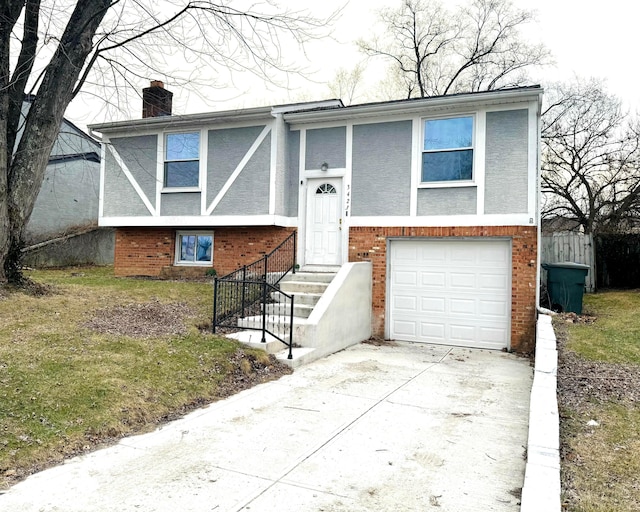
x: 151, y: 251
x: 370, y: 244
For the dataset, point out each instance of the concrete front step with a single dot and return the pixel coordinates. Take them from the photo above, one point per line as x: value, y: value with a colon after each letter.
x: 300, y: 356
x: 284, y: 308
x: 253, y: 339
x: 275, y: 323
x: 295, y: 287
x: 306, y: 299
x: 318, y: 277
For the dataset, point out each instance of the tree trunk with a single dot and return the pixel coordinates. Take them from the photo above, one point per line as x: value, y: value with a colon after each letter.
x: 27, y: 168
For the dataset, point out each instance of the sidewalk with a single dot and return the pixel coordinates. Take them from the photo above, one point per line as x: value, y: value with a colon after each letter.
x: 389, y: 428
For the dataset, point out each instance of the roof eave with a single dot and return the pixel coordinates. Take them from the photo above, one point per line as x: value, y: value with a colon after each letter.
x: 404, y: 107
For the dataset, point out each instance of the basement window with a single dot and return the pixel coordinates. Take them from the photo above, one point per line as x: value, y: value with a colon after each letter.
x: 182, y: 160
x: 194, y: 248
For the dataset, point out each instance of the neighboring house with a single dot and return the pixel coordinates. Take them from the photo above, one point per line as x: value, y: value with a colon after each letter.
x: 439, y: 194
x: 63, y: 227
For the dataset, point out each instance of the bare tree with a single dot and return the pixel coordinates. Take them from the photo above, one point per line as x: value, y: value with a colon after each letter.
x: 60, y: 48
x: 435, y: 51
x: 590, y: 158
x: 345, y: 83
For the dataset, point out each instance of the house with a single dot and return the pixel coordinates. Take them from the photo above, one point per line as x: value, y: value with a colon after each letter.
x: 63, y: 227
x: 439, y: 194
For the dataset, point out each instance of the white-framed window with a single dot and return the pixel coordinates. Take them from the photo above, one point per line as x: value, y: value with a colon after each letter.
x: 182, y: 160
x: 447, y: 149
x: 194, y: 248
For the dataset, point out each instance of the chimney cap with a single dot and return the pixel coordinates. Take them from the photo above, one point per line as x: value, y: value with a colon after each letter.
x: 157, y: 83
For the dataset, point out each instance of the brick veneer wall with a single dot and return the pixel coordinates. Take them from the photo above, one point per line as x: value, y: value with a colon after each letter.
x: 151, y: 251
x: 370, y: 244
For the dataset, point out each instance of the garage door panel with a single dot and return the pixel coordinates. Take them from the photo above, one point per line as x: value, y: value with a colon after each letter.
x: 432, y: 255
x: 405, y: 328
x: 493, y: 335
x: 433, y: 279
x: 435, y: 331
x: 405, y: 303
x: 466, y: 280
x: 497, y: 308
x: 462, y: 292
x: 406, y: 277
x: 490, y: 281
x: 463, y: 307
x: 432, y: 305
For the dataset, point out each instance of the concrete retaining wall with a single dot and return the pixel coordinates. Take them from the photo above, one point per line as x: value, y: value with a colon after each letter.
x: 541, y: 490
x: 91, y: 248
x: 342, y: 316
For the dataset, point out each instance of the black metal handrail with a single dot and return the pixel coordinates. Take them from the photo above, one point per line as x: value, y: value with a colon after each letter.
x: 236, y: 294
x: 264, y: 307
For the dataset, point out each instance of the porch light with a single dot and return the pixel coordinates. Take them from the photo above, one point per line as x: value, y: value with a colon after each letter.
x: 324, y: 167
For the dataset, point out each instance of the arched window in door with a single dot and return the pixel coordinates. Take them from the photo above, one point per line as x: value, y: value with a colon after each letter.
x: 326, y: 188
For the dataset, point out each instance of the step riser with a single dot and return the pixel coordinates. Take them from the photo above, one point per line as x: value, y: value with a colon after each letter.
x: 316, y: 277
x: 307, y: 299
x: 293, y: 287
x: 299, y: 310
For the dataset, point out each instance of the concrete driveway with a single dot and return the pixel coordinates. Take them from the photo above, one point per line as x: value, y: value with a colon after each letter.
x: 387, y: 428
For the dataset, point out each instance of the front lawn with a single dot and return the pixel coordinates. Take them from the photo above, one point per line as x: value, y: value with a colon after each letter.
x: 599, y: 398
x: 95, y: 358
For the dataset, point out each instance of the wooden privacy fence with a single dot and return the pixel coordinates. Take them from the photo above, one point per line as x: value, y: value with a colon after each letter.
x: 570, y: 246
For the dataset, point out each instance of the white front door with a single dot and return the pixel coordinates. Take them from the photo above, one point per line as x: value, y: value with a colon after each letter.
x: 323, y: 237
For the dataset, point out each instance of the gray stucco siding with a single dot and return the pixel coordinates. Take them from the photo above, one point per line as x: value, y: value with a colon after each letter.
x: 292, y: 175
x: 120, y: 198
x: 226, y: 148
x: 249, y: 194
x: 139, y: 155
x: 447, y: 201
x: 506, y: 163
x: 326, y: 145
x: 180, y: 203
x: 381, y: 169
x: 68, y: 198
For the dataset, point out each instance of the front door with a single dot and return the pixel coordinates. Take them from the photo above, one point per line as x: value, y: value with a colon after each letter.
x: 323, y: 237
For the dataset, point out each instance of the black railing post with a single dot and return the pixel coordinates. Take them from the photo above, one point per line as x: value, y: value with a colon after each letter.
x: 264, y: 310
x: 243, y: 292
x: 215, y: 305
x: 290, y: 356
x: 265, y: 267
x: 295, y: 251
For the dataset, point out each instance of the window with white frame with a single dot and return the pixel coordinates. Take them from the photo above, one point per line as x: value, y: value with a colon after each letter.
x: 447, y: 150
x: 194, y: 248
x: 181, y: 159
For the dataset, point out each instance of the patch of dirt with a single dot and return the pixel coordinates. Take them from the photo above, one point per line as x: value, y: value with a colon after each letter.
x: 28, y: 287
x: 380, y: 342
x: 142, y: 320
x: 581, y: 381
x: 250, y: 370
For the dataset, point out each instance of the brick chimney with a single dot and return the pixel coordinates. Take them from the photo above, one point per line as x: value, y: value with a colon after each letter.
x: 156, y: 100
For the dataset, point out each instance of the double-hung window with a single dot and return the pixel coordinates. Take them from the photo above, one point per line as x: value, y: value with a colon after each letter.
x: 182, y: 159
x: 447, y: 151
x: 194, y: 248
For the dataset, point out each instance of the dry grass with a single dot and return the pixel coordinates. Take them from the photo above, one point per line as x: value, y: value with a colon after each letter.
x: 599, y: 397
x: 96, y: 358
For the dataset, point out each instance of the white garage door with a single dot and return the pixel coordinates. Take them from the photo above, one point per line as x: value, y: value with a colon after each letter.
x: 451, y: 292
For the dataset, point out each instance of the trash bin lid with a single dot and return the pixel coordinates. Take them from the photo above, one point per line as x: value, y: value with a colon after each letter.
x: 566, y: 264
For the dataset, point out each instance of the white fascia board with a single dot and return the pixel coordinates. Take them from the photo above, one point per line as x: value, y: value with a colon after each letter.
x: 196, y: 221
x: 519, y: 219
x: 155, y: 124
x: 418, y: 106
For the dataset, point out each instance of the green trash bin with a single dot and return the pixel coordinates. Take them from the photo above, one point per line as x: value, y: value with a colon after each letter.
x: 565, y: 284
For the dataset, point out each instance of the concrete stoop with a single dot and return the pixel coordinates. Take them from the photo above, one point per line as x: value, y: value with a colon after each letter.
x: 319, y: 327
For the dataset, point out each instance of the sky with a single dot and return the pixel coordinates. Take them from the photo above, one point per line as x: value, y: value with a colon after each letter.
x: 586, y: 39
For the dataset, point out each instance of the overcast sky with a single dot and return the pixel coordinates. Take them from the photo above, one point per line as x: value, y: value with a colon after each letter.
x: 586, y: 38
